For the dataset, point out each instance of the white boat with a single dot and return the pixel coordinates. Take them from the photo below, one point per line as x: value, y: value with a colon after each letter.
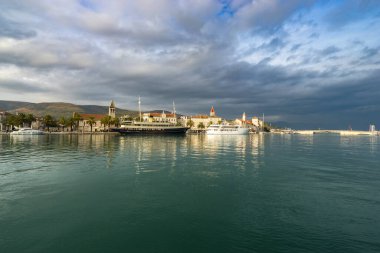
x: 225, y: 129
x: 27, y: 131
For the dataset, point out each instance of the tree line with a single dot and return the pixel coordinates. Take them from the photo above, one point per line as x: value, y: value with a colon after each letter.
x: 25, y: 120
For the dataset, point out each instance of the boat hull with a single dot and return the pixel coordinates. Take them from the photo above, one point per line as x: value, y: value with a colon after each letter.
x: 240, y: 132
x: 142, y: 130
x: 30, y: 132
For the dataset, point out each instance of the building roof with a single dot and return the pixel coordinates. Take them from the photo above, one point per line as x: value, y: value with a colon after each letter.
x: 249, y: 122
x: 201, y: 117
x: 112, y: 104
x: 96, y: 116
x: 158, y: 114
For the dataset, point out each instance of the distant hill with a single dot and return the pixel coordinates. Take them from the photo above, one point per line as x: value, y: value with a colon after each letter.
x: 58, y: 109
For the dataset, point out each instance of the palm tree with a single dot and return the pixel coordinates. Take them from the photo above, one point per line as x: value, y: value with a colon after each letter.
x: 49, y: 121
x: 29, y: 119
x: 21, y: 119
x: 76, y: 118
x: 12, y: 121
x: 190, y: 123
x: 62, y: 122
x: 71, y: 123
x: 106, y: 120
x: 91, y: 122
x: 200, y: 125
x: 116, y: 122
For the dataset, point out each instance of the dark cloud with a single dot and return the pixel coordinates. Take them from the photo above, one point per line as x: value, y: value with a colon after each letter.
x: 15, y: 30
x: 369, y: 53
x: 350, y: 11
x: 20, y: 87
x: 330, y: 50
x: 269, y: 14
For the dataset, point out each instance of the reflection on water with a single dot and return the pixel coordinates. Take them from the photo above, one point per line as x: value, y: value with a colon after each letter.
x: 256, y: 193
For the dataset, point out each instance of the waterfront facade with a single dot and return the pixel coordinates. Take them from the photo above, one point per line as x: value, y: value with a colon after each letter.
x: 3, y: 117
x: 201, y: 122
x: 256, y: 122
x: 84, y: 123
x: 96, y: 120
x: 160, y: 117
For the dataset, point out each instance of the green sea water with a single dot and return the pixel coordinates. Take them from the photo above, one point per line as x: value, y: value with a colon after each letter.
x: 258, y: 193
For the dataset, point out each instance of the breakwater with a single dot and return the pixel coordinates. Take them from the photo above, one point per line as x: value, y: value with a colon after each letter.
x: 339, y: 132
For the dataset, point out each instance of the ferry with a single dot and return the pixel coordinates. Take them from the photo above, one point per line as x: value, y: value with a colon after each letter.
x: 225, y: 129
x: 27, y: 131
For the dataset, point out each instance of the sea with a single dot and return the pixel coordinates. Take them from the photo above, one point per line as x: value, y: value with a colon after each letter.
x: 191, y: 193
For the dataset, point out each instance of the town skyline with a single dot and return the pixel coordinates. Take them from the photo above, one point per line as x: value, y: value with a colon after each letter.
x: 307, y: 63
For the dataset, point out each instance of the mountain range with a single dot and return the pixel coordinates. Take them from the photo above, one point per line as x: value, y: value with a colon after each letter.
x: 58, y: 109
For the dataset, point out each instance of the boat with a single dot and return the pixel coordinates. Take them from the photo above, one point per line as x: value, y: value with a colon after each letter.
x: 148, y: 127
x: 137, y: 127
x: 27, y: 131
x: 227, y: 129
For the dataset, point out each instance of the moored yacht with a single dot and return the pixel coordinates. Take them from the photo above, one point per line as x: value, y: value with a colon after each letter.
x: 137, y: 127
x: 226, y: 129
x: 27, y: 131
x: 150, y: 127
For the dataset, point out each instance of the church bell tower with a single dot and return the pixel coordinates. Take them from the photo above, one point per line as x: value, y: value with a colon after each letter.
x: 212, y: 112
x: 111, y: 110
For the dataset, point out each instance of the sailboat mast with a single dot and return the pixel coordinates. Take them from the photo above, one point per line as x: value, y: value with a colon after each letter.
x: 263, y: 121
x: 174, y: 112
x: 140, y: 108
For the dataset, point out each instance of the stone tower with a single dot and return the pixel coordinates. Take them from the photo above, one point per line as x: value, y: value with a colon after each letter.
x: 111, y: 110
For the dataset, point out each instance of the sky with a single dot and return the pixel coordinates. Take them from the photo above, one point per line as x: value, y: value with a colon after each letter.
x: 304, y: 63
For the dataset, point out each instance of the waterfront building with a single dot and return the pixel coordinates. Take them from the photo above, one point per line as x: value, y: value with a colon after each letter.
x: 3, y: 117
x: 84, y: 122
x: 372, y: 128
x: 256, y: 122
x: 197, y: 121
x: 38, y: 123
x: 160, y: 117
x: 84, y: 125
x: 243, y: 121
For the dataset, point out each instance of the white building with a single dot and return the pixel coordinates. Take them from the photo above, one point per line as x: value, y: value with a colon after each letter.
x: 256, y: 122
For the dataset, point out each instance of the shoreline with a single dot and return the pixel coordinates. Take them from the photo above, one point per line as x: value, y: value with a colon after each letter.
x: 71, y: 133
x: 294, y: 132
x: 334, y: 132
